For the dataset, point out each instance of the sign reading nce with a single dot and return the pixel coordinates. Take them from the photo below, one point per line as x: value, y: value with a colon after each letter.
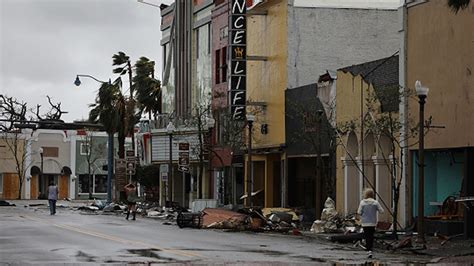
x: 238, y: 51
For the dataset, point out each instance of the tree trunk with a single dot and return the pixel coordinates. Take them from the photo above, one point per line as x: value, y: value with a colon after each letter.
x: 19, y: 188
x: 90, y: 182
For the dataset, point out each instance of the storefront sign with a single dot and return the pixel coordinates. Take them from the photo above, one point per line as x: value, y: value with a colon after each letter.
x: 238, y: 54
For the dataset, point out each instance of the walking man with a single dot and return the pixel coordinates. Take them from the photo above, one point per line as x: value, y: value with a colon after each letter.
x: 52, y: 197
x: 132, y: 199
x: 368, y: 209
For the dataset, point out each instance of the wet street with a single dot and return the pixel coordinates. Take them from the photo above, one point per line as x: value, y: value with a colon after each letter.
x: 31, y: 235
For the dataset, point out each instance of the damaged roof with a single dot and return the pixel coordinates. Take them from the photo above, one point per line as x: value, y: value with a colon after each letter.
x: 382, y: 74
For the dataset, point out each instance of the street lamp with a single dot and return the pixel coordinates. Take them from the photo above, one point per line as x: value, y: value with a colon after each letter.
x: 208, y: 126
x: 169, y: 188
x: 40, y: 150
x: 110, y: 144
x: 78, y: 82
x: 422, y: 93
x: 250, y: 120
x: 319, y: 116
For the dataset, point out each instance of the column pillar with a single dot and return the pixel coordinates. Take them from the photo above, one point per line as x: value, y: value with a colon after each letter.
x: 351, y: 186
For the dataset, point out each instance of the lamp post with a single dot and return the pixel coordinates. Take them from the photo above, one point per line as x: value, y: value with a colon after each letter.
x: 169, y: 188
x: 250, y: 120
x: 422, y: 93
x: 110, y: 144
x: 319, y: 115
x: 209, y: 125
x: 40, y: 150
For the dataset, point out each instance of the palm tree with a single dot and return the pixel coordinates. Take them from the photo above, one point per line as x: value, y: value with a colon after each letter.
x: 123, y: 66
x: 104, y: 109
x: 109, y: 109
x: 457, y: 5
x: 148, y: 89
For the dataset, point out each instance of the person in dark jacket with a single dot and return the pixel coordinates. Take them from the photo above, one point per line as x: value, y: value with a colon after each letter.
x: 52, y: 197
x: 368, y: 209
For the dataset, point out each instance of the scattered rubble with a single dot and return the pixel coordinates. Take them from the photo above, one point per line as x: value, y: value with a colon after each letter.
x: 6, y: 203
x: 223, y: 219
x: 270, y: 219
x: 332, y: 222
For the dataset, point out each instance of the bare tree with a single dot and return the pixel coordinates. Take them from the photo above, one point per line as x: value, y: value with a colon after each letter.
x: 14, y: 115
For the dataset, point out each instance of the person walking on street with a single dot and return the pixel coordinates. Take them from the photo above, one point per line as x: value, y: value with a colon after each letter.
x: 52, y: 197
x: 132, y: 199
x: 368, y: 209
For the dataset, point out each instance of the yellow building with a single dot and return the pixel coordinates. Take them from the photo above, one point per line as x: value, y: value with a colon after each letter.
x: 365, y: 156
x: 266, y: 84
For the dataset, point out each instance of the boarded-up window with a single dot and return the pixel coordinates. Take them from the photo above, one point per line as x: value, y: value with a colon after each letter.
x: 1, y: 183
x: 51, y: 152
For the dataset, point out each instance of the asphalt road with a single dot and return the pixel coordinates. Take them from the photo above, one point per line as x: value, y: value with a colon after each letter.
x: 29, y: 235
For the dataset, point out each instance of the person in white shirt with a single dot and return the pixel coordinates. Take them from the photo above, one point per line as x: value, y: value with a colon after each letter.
x: 367, y: 211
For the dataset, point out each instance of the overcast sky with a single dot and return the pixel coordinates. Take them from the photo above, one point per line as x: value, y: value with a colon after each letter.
x: 45, y: 43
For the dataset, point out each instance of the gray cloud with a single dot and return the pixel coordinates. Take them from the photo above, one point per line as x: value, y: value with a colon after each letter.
x: 45, y: 43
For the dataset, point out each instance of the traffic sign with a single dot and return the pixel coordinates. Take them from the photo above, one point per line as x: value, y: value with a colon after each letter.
x: 183, y: 168
x: 164, y: 176
x: 131, y: 166
x: 183, y: 146
x: 130, y: 153
x: 163, y: 168
x: 183, y: 160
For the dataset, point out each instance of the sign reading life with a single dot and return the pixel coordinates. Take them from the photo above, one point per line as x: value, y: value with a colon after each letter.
x: 238, y: 50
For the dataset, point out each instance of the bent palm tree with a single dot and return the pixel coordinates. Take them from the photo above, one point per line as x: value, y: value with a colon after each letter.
x: 457, y: 5
x: 104, y: 109
x: 123, y: 66
x: 148, y: 89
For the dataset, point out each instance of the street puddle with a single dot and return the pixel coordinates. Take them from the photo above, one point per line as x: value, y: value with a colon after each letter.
x: 84, y: 257
x: 148, y: 253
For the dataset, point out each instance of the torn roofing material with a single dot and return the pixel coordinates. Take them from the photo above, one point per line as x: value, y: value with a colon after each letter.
x: 382, y: 74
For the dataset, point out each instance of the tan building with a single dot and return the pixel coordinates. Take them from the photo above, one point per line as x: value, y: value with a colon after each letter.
x: 365, y: 156
x: 12, y: 147
x: 439, y: 46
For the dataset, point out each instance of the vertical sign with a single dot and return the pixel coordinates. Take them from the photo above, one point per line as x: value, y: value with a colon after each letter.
x: 238, y: 52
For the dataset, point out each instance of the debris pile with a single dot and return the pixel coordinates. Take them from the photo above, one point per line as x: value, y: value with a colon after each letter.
x: 332, y: 222
x: 280, y: 220
x: 269, y: 219
x: 224, y: 219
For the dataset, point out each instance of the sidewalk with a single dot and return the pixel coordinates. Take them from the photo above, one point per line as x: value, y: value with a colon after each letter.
x: 457, y: 250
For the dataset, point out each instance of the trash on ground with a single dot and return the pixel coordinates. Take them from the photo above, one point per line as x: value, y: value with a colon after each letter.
x: 88, y: 208
x: 222, y: 219
x: 6, y: 203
